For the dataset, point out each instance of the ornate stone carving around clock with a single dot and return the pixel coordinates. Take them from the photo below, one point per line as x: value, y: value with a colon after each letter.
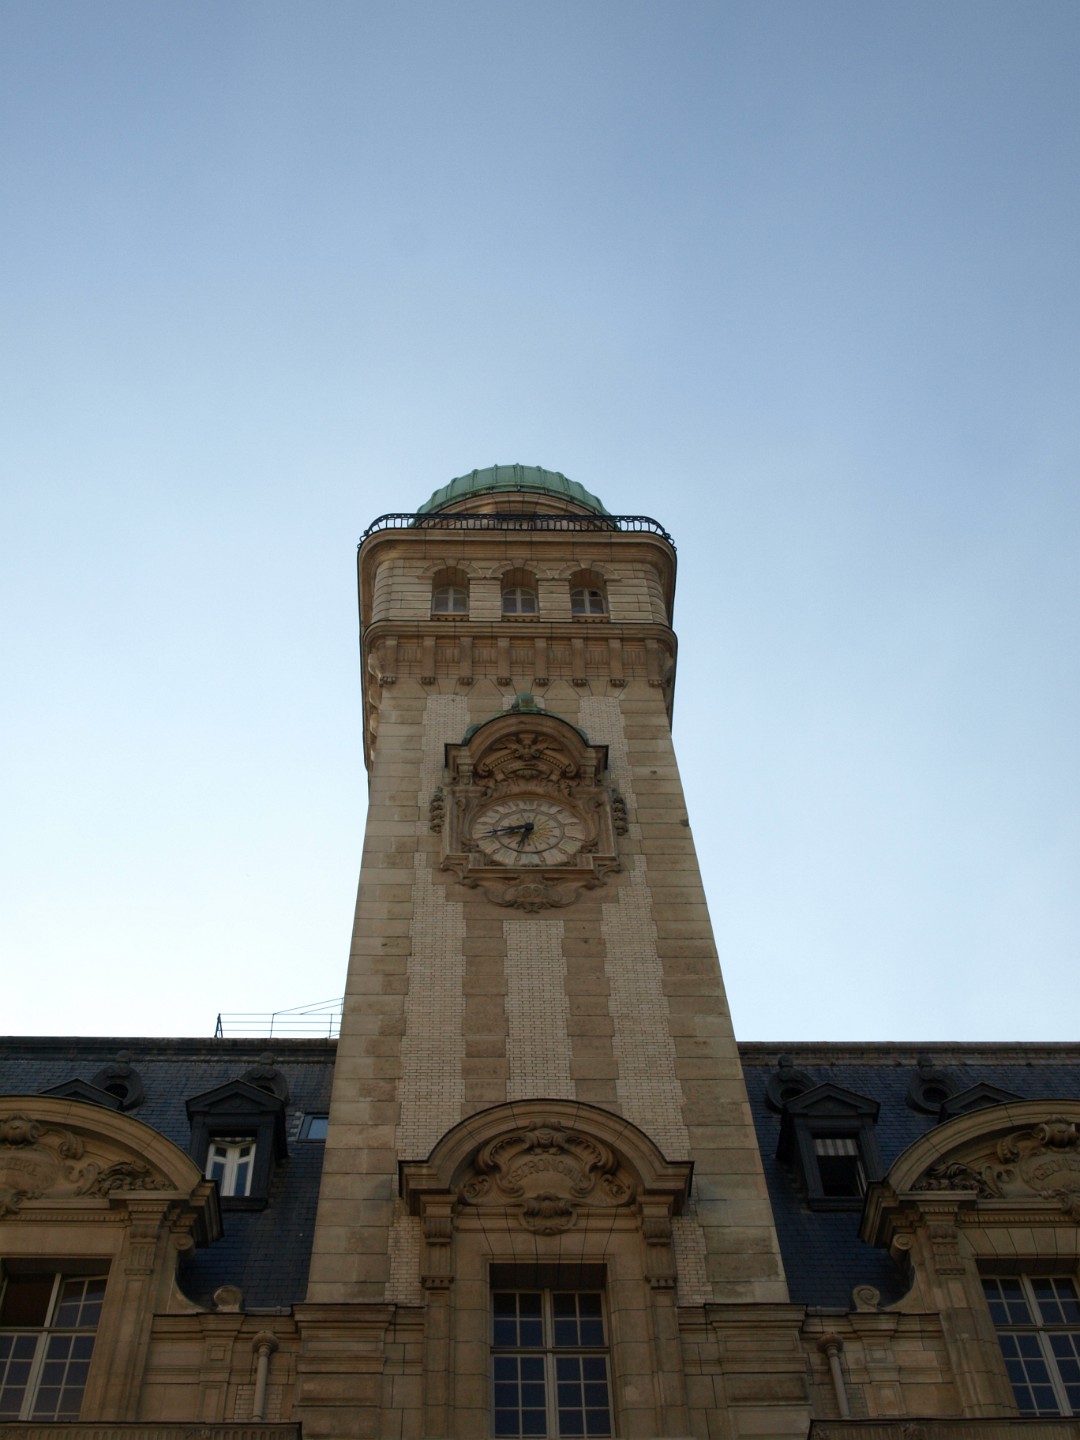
x: 530, y: 818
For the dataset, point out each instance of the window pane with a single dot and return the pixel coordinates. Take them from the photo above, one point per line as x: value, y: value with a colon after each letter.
x: 552, y: 1324
x: 26, y: 1299
x: 1057, y: 1301
x: 1006, y: 1300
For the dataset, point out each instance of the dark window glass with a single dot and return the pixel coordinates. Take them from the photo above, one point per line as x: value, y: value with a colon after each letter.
x: 549, y: 1364
x: 46, y: 1344
x: 1038, y: 1323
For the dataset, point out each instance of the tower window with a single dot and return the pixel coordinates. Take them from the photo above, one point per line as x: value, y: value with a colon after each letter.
x: 519, y: 600
x: 47, y: 1326
x: 1037, y: 1318
x: 588, y: 594
x: 230, y: 1161
x: 519, y: 596
x: 549, y: 1363
x: 450, y: 600
x: 584, y: 601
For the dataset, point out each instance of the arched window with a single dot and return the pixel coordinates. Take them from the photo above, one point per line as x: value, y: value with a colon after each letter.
x: 587, y: 594
x: 450, y: 593
x: 519, y: 593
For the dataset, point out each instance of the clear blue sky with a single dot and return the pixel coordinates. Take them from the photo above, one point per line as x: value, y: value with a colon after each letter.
x: 798, y: 279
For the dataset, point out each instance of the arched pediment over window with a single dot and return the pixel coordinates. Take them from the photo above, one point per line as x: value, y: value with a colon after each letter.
x: 1011, y: 1160
x: 571, y: 1146
x: 547, y: 1168
x: 54, y: 1149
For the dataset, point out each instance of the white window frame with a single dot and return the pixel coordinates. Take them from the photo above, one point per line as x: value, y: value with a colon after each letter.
x: 1042, y: 1331
x: 232, y: 1161
x: 591, y: 602
x: 520, y: 600
x: 450, y: 600
x: 43, y: 1335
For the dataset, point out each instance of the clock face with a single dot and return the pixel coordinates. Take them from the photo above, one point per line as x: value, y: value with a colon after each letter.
x: 528, y: 832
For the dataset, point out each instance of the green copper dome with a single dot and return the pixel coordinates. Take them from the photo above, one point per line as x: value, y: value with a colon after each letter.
x: 512, y: 477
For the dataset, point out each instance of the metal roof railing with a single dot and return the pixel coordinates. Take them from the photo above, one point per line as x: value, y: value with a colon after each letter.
x: 515, y: 520
x: 321, y: 1020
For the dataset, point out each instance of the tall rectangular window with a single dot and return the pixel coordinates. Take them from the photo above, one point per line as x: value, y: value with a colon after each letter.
x: 1037, y: 1318
x: 549, y: 1363
x: 47, y: 1325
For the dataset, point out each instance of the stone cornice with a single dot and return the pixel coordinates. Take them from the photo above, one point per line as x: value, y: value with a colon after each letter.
x: 156, y: 1430
x: 907, y: 1052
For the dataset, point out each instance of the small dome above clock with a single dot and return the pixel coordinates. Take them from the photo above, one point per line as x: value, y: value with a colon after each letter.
x: 542, y: 489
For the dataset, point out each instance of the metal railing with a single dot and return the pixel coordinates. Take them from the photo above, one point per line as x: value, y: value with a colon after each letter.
x: 321, y: 1020
x: 402, y: 520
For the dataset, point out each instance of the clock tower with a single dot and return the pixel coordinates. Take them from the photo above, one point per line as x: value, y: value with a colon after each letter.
x: 542, y: 1200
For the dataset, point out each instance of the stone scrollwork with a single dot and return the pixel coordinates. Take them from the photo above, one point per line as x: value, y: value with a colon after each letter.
x: 40, y: 1160
x: 984, y: 1180
x: 547, y: 1173
x: 1042, y: 1160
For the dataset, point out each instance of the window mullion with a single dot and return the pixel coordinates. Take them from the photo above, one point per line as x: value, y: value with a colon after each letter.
x: 550, y: 1381
x: 33, y: 1378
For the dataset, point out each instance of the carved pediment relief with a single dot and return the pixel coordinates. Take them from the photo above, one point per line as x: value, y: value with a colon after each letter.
x: 39, y: 1160
x: 993, y: 1166
x: 61, y: 1150
x: 1042, y: 1161
x: 546, y: 1173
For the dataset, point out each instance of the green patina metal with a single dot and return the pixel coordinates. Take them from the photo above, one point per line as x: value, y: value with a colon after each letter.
x: 524, y: 704
x: 513, y: 478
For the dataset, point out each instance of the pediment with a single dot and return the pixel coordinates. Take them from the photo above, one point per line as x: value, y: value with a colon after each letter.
x: 54, y: 1149
x: 237, y: 1097
x: 828, y: 1101
x: 975, y: 1097
x: 83, y: 1090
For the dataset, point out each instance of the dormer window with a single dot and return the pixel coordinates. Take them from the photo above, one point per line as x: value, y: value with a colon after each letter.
x: 230, y: 1161
x: 827, y: 1138
x: 237, y: 1137
x: 839, y: 1166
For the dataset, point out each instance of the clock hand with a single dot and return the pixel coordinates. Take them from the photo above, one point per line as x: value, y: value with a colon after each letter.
x: 507, y: 829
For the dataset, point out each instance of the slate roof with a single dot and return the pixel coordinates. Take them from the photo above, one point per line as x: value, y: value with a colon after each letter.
x: 265, y: 1252
x: 823, y: 1255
